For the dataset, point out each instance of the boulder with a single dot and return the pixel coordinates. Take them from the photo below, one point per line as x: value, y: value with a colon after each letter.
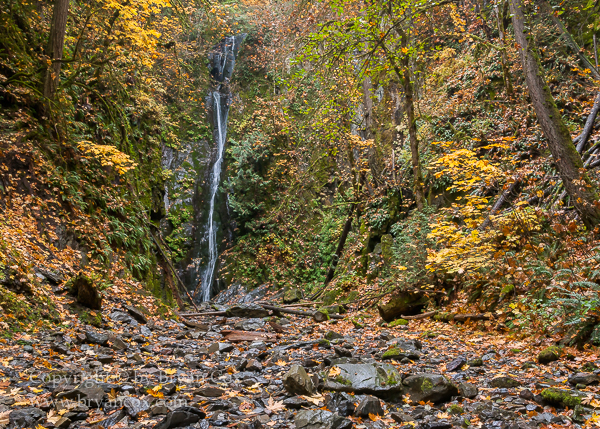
x: 25, y: 417
x: 180, y: 417
x: 369, y: 405
x: 134, y: 406
x: 297, y: 382
x: 467, y: 390
x: 90, y: 396
x: 292, y: 295
x: 585, y: 378
x: 456, y: 364
x: 375, y: 379
x: 402, y: 303
x: 549, y: 354
x: 430, y: 387
x: 398, y: 352
x: 247, y: 310
x: 320, y: 419
x: 560, y: 397
x: 341, y: 403
x: 504, y: 382
x: 250, y: 324
x: 95, y: 337
x: 136, y: 313
x: 86, y: 292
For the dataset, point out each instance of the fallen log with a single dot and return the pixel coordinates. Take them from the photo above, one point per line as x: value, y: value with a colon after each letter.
x: 301, y: 313
x: 192, y: 324
x: 239, y: 336
x: 207, y: 313
x: 420, y: 316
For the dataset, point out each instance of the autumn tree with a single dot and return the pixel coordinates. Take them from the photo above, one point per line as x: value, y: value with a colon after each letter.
x: 55, y: 47
x: 568, y: 161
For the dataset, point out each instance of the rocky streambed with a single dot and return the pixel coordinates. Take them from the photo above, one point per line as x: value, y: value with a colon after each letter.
x: 288, y: 372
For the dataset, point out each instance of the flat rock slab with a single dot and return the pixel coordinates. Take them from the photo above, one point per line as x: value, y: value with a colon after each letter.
x: 374, y: 379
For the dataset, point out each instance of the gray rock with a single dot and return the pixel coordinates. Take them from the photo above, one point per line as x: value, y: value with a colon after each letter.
x: 220, y: 347
x: 374, y: 379
x: 90, y: 396
x: 145, y: 331
x: 253, y: 365
x: 95, y: 337
x: 504, y: 382
x: 25, y: 417
x: 332, y: 335
x: 119, y: 316
x: 113, y: 419
x: 585, y: 378
x: 430, y: 387
x: 341, y: 403
x: 134, y: 406
x: 136, y: 314
x: 250, y: 324
x: 456, y: 364
x: 320, y: 419
x: 209, y: 391
x: 296, y: 402
x: 183, y: 416
x: 369, y: 405
x: 296, y: 381
x: 247, y: 310
x: 467, y: 390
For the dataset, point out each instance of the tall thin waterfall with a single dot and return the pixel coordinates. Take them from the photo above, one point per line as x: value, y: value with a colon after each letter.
x: 222, y: 61
x: 215, y: 178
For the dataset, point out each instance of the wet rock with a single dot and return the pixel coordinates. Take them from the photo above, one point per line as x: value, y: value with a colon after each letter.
x: 369, y: 405
x: 475, y: 363
x: 136, y: 313
x: 504, y: 382
x: 296, y: 381
x: 86, y: 292
x: 63, y: 422
x: 254, y: 365
x: 296, y: 402
x: 183, y: 416
x: 90, y: 396
x: 430, y: 387
x: 341, y: 403
x: 95, y: 337
x: 220, y: 347
x: 402, y: 303
x: 320, y: 419
x: 292, y: 295
x: 332, y: 335
x: 117, y: 343
x: 397, y: 352
x: 585, y: 378
x: 250, y: 324
x: 209, y: 391
x: 134, y: 406
x: 456, y: 364
x: 119, y: 316
x: 549, y: 354
x: 247, y: 310
x: 145, y: 331
x: 342, y: 352
x: 113, y: 419
x: 374, y: 379
x: 467, y: 390
x: 25, y: 418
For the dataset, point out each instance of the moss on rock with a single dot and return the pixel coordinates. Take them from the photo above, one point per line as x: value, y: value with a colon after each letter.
x: 549, y: 354
x: 398, y: 322
x: 563, y: 398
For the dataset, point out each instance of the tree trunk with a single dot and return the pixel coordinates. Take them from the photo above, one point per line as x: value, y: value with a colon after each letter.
x: 568, y: 162
x: 56, y: 45
x: 503, y: 55
x: 412, y: 124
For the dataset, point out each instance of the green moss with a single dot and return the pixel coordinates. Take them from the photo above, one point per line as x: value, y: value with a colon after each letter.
x: 391, y: 353
x: 560, y: 397
x: 357, y: 324
x: 426, y: 385
x: 324, y: 343
x: 398, y: 322
x: 94, y: 320
x: 392, y: 380
x: 507, y: 289
x: 455, y: 409
x: 341, y: 380
x: 443, y: 317
x: 331, y: 297
x: 549, y: 354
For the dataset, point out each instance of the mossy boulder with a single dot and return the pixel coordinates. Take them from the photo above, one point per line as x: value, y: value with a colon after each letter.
x: 504, y: 382
x: 430, y: 387
x: 398, y: 322
x: 398, y: 353
x: 549, y: 354
x: 387, y: 242
x: 292, y: 295
x: 561, y: 398
x: 85, y: 291
x: 402, y: 303
x: 381, y: 380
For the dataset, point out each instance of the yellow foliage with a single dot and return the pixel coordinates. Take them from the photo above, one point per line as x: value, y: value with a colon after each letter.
x: 109, y: 156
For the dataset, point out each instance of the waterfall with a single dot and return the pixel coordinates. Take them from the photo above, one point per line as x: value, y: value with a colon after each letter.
x: 221, y: 134
x: 222, y: 61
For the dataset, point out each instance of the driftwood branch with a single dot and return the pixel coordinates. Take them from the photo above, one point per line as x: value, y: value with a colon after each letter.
x: 421, y: 316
